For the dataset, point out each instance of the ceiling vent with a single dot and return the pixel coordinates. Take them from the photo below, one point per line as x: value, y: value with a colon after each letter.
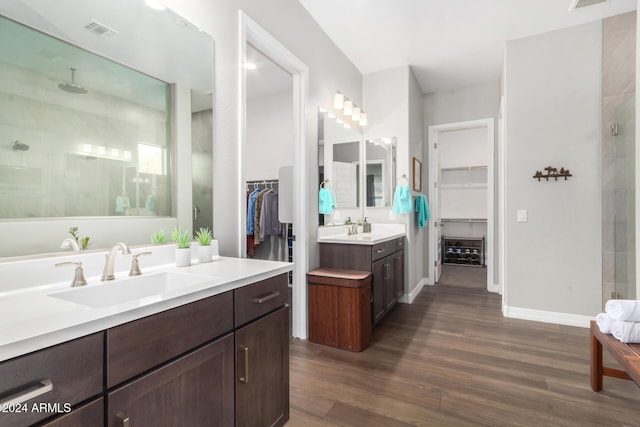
x: 99, y: 29
x: 578, y: 4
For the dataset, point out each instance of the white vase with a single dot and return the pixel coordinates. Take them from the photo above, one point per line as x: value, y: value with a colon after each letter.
x: 205, y: 253
x: 183, y: 257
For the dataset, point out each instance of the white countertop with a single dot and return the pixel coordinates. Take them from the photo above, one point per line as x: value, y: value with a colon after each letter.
x: 379, y: 233
x: 31, y: 319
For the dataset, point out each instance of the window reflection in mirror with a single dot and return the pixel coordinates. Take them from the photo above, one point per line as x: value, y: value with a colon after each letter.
x: 339, y: 161
x: 99, y: 178
x: 380, y: 172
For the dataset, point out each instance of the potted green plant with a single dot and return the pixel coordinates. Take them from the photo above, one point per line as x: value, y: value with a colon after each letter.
x: 182, y: 237
x: 159, y: 237
x: 204, y: 236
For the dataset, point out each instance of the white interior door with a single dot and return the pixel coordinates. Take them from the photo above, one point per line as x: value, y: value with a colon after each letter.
x: 438, y: 216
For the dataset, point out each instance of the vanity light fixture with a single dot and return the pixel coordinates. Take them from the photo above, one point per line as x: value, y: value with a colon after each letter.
x: 102, y: 150
x: 115, y: 152
x: 348, y: 108
x: 87, y: 148
x: 250, y: 66
x: 356, y: 114
x: 127, y: 154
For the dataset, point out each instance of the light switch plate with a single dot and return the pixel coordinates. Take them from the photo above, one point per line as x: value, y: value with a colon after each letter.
x: 522, y: 215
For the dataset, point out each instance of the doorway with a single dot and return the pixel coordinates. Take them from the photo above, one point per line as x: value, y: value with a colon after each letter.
x: 461, y: 179
x: 255, y: 36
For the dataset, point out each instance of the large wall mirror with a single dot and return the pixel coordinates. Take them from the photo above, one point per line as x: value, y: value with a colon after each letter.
x: 380, y: 175
x: 340, y: 167
x: 89, y: 106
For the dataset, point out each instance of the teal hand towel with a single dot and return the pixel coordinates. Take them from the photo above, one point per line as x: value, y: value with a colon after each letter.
x: 422, y: 208
x: 402, y: 200
x: 326, y: 201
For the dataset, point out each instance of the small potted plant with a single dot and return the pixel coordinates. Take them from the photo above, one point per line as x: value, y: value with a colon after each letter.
x: 159, y: 237
x: 205, y: 250
x: 182, y: 238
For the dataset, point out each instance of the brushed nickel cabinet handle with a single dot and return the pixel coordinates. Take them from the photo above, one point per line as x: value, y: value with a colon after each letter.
x: 265, y: 298
x: 45, y: 386
x: 123, y: 419
x: 379, y: 251
x: 245, y: 352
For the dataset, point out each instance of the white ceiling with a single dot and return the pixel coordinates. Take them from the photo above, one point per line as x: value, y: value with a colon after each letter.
x: 448, y: 43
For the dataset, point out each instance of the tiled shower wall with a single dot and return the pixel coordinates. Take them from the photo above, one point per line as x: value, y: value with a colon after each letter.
x: 618, y: 165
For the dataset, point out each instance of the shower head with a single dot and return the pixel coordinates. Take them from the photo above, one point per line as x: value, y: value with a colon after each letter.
x: 72, y: 87
x: 19, y: 146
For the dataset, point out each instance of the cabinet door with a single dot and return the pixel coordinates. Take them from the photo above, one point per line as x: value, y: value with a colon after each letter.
x: 378, y: 284
x: 89, y: 415
x: 398, y: 265
x: 194, y: 390
x: 262, y: 371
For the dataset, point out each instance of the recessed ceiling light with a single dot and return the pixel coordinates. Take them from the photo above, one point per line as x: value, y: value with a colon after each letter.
x: 155, y: 4
x: 250, y: 66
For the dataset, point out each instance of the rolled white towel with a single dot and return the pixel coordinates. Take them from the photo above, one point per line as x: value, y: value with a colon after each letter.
x: 623, y: 310
x: 604, y: 322
x: 626, y: 332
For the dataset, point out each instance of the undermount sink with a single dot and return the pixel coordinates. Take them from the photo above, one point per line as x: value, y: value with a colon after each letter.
x: 145, y: 289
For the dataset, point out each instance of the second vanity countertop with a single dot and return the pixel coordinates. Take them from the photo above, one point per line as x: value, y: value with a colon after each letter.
x: 32, y: 319
x: 379, y: 233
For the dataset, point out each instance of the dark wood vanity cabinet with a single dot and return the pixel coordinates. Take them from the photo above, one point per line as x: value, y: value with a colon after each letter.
x: 219, y: 361
x: 384, y: 260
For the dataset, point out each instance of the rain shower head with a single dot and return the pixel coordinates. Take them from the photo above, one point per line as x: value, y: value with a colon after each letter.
x: 72, y: 87
x: 19, y: 146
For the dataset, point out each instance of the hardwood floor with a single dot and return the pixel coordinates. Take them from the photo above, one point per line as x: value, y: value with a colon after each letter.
x: 452, y: 359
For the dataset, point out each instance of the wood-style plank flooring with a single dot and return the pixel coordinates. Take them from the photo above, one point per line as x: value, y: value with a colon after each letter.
x: 452, y: 359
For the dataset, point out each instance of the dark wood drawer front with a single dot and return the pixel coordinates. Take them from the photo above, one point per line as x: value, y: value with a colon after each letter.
x: 336, y: 255
x: 383, y: 249
x: 260, y: 298
x: 196, y: 390
x: 89, y: 415
x: 399, y: 243
x: 138, y: 346
x: 74, y: 370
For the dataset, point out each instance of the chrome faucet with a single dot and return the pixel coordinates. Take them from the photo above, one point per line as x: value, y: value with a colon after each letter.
x: 107, y: 273
x: 70, y: 243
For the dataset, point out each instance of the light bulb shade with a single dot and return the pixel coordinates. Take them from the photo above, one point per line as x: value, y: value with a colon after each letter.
x: 348, y: 108
x: 338, y: 101
x: 356, y: 114
x: 363, y: 119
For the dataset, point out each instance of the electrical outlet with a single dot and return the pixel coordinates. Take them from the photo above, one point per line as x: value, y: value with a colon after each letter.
x: 522, y: 215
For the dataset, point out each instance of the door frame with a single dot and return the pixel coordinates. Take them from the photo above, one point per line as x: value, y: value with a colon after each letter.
x: 251, y: 32
x: 434, y: 132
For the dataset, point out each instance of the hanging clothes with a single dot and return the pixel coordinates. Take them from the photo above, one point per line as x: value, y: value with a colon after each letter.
x: 326, y: 200
x: 269, y: 223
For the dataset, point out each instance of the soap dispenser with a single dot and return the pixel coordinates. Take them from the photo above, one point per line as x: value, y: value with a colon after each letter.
x: 366, y: 226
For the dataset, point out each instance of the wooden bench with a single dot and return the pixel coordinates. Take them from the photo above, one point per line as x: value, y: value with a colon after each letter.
x: 627, y: 355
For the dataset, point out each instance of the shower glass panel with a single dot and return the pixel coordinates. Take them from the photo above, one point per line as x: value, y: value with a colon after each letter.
x: 624, y: 201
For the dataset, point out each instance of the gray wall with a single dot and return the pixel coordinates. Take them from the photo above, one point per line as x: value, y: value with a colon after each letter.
x: 553, y: 117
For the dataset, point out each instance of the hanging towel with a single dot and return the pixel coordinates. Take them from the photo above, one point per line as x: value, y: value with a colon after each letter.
x: 119, y: 204
x: 326, y: 201
x: 623, y: 310
x: 627, y: 332
x: 604, y: 322
x: 422, y: 208
x: 402, y: 200
x: 150, y: 204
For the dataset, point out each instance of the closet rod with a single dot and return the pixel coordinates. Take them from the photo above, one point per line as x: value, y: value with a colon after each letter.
x: 464, y: 168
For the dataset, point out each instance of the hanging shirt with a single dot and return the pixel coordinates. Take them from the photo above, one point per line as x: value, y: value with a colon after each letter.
x: 251, y: 211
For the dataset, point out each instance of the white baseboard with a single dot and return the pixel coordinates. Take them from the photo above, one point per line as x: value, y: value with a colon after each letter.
x: 411, y: 296
x: 547, y: 316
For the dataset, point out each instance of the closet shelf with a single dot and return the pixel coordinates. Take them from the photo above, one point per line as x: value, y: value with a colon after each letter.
x: 469, y: 185
x: 479, y: 220
x: 465, y: 168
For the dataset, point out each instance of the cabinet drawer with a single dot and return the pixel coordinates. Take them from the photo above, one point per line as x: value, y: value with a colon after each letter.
x: 399, y: 243
x: 382, y: 249
x: 73, y: 370
x: 256, y: 300
x: 138, y: 346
